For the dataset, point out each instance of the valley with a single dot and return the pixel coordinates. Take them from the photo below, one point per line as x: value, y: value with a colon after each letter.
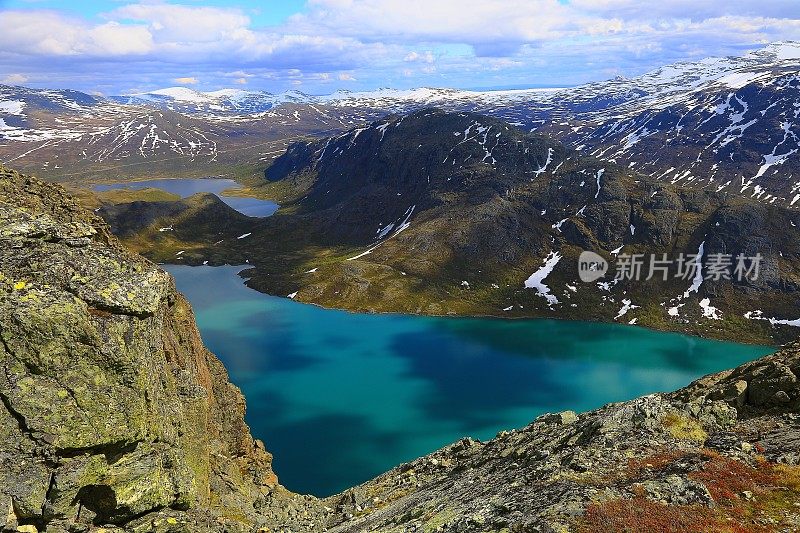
x: 443, y: 213
x: 444, y: 202
x: 378, y: 286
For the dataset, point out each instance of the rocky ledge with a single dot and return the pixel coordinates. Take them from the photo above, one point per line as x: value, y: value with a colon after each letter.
x: 114, y: 417
x: 113, y: 412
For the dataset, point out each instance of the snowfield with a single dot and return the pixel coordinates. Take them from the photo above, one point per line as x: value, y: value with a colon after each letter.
x: 536, y: 280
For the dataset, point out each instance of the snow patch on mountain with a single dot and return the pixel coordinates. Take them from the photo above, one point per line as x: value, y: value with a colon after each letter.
x: 536, y: 280
x: 12, y: 107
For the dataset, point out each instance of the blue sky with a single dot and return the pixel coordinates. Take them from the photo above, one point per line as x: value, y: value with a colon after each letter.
x: 262, y: 13
x: 319, y: 46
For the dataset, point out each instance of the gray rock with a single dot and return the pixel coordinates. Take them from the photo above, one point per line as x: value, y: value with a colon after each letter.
x: 677, y: 490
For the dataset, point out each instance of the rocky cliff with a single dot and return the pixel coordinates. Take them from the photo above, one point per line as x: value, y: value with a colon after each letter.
x: 114, y: 417
x: 112, y: 410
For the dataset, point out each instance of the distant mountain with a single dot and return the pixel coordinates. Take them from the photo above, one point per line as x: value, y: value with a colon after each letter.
x: 170, y: 132
x: 669, y: 86
x: 18, y: 103
x: 722, y: 124
x: 221, y: 102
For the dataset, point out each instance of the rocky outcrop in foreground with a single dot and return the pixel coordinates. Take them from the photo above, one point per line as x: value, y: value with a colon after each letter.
x: 720, y: 455
x: 114, y: 417
x: 113, y: 412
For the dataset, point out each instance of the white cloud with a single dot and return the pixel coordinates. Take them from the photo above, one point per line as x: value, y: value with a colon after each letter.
x: 239, y: 74
x: 171, y: 23
x: 50, y: 34
x: 377, y: 42
x: 426, y: 57
x: 115, y: 39
x: 14, y: 79
x: 186, y: 81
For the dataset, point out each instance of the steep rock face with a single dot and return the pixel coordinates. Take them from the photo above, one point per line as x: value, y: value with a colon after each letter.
x: 112, y: 410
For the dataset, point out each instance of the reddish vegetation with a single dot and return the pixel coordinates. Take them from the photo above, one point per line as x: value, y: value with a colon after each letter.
x: 774, y: 491
x: 640, y: 515
x: 638, y: 467
x: 727, y: 478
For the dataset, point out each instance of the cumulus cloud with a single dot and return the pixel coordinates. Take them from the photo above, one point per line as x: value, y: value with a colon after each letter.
x: 169, y: 23
x: 372, y: 43
x: 186, y: 81
x: 426, y: 56
x: 14, y: 79
x: 45, y: 33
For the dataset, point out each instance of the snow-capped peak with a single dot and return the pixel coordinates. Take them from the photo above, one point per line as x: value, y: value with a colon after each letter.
x: 232, y: 94
x: 181, y: 94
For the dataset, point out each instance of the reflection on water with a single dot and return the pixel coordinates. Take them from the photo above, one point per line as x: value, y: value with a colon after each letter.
x: 252, y: 207
x: 340, y: 397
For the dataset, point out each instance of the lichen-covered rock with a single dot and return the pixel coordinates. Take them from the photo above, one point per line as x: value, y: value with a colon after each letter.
x: 112, y: 409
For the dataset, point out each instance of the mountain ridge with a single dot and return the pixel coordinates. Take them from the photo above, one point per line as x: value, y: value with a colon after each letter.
x: 724, y: 124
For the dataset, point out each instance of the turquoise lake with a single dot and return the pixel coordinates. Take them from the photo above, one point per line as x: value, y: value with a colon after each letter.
x: 252, y: 207
x: 339, y: 397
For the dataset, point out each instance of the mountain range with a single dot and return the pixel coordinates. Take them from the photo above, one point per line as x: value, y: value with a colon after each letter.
x: 724, y: 124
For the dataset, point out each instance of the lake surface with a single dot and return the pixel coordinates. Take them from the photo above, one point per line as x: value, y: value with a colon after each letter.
x: 339, y: 397
x: 252, y: 207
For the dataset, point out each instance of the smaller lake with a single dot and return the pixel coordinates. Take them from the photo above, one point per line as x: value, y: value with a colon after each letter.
x: 252, y: 207
x: 341, y: 397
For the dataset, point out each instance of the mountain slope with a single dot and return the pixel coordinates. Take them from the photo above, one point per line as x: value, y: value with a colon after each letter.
x: 119, y: 141
x: 458, y: 213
